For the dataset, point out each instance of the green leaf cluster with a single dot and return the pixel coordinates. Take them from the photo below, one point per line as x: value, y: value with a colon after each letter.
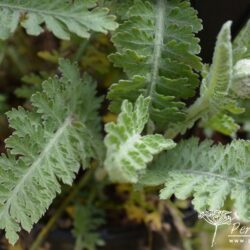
x: 216, y: 105
x: 208, y: 173
x: 156, y: 47
x: 47, y: 147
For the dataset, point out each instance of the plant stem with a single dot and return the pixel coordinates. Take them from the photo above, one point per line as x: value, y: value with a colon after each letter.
x: 80, y: 50
x: 194, y: 113
x: 74, y: 191
x: 158, y: 44
x: 157, y: 51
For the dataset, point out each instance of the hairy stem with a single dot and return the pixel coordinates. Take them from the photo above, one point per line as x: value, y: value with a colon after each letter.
x: 158, y: 43
x: 194, y: 113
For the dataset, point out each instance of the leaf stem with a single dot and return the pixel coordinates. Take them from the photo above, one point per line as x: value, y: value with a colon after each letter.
x: 81, y: 49
x: 158, y: 43
x: 194, y: 113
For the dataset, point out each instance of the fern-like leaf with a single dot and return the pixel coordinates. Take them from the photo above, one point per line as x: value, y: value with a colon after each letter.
x: 215, y: 102
x: 47, y: 147
x: 60, y: 17
x: 128, y: 151
x: 209, y: 173
x: 241, y: 79
x: 119, y: 7
x: 241, y: 56
x: 157, y: 49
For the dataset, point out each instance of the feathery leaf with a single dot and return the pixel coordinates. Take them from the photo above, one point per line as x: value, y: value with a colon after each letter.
x: 215, y: 102
x: 47, y: 147
x: 60, y: 17
x: 209, y: 173
x: 128, y: 151
x: 241, y: 44
x: 157, y: 49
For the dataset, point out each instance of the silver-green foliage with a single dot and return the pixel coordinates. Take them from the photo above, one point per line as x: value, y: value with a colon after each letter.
x: 47, y: 147
x: 241, y: 79
x: 156, y: 47
x: 60, y: 17
x: 216, y: 103
x: 128, y: 151
x: 118, y: 7
x: 208, y: 173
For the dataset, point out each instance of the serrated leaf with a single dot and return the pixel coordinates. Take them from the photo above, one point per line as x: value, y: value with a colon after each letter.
x: 241, y: 44
x: 157, y: 49
x: 216, y: 105
x: 208, y: 173
x: 47, y: 147
x: 128, y: 151
x: 241, y: 79
x: 60, y: 17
